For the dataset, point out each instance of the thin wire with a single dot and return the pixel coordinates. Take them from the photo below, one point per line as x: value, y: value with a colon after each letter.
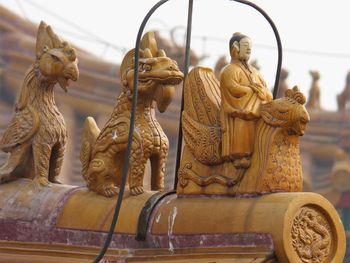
x: 317, y: 53
x: 104, y: 51
x: 53, y: 14
x: 271, y: 47
x: 98, y: 39
x: 131, y: 132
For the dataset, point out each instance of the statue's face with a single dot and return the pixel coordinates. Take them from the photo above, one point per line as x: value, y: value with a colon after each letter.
x: 245, y: 48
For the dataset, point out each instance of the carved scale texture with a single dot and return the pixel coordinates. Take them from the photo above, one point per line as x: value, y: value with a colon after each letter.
x: 108, y: 151
x: 283, y: 170
x: 115, y: 126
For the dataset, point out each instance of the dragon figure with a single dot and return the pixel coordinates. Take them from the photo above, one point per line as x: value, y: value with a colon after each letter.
x: 275, y: 164
x: 102, y: 152
x: 36, y: 135
x: 312, y: 236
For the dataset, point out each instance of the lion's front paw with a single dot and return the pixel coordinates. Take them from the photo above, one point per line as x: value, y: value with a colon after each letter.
x: 42, y: 181
x: 39, y: 182
x: 55, y: 181
x: 108, y: 190
x: 5, y: 178
x: 136, y: 190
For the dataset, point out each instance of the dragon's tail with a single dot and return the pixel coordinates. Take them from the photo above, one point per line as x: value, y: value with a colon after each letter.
x: 88, y: 139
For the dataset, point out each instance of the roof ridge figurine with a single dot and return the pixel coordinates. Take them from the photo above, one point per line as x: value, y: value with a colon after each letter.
x: 36, y: 135
x: 237, y: 139
x: 102, y: 152
x: 313, y: 102
x: 241, y: 147
x: 343, y: 98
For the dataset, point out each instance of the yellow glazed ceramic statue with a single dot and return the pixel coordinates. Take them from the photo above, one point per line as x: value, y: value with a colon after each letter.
x: 343, y: 98
x: 237, y: 139
x: 36, y: 136
x: 242, y: 91
x: 314, y: 102
x: 226, y: 207
x: 102, y: 152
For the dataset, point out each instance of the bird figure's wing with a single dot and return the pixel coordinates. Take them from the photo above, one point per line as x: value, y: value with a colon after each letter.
x: 22, y: 128
x: 201, y: 115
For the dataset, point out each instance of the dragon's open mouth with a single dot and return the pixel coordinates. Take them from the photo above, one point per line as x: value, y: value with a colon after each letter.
x: 166, y: 79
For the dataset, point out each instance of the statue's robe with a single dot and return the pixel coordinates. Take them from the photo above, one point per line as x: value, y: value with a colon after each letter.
x: 240, y: 108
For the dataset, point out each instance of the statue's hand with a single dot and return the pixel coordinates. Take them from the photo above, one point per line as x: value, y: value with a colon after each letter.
x: 239, y: 92
x: 260, y: 90
x: 269, y: 96
x: 245, y: 115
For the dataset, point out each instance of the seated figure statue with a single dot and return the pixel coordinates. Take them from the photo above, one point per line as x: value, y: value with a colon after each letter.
x: 237, y: 139
x: 242, y: 91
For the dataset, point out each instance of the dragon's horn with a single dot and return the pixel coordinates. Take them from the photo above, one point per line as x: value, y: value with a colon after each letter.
x: 147, y: 53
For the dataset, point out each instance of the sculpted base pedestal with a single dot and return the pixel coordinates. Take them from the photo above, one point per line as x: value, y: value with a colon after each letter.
x: 71, y: 222
x: 303, y: 227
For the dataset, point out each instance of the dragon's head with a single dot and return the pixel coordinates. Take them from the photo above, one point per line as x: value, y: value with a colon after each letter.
x: 56, y: 60
x: 288, y: 112
x: 158, y: 74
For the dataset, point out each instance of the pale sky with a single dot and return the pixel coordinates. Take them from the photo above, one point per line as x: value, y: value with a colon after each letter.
x: 312, y: 25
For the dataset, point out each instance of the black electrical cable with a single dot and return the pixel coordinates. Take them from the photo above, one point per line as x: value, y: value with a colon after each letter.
x: 278, y: 39
x: 131, y: 132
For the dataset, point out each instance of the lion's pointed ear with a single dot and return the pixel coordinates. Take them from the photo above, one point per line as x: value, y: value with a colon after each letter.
x: 56, y: 40
x: 43, y: 40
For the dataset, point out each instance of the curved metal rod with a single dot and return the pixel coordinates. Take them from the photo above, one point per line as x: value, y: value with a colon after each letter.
x: 278, y: 39
x: 131, y: 132
x: 187, y: 64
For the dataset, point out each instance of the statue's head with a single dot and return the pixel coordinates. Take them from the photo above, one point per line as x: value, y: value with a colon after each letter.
x: 288, y: 112
x: 314, y: 74
x: 56, y: 60
x: 158, y: 74
x: 240, y: 47
x: 284, y: 74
